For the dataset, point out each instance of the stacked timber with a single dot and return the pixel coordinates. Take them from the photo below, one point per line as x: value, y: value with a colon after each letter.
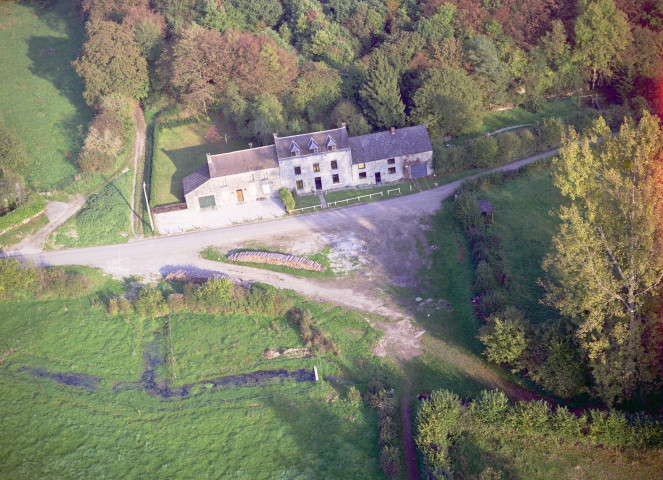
x: 201, y: 277
x: 283, y: 259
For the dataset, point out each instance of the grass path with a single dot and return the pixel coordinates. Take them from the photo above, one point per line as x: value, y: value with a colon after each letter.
x: 139, y: 151
x: 409, y: 449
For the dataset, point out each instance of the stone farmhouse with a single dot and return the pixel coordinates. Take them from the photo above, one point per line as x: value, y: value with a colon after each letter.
x: 310, y: 162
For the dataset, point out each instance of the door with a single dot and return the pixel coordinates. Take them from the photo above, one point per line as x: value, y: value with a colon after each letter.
x: 318, y: 183
x: 240, y: 195
x: 419, y: 170
x: 378, y: 177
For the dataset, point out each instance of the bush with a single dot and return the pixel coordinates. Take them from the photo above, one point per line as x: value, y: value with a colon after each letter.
x: 388, y: 432
x: 57, y: 282
x: 532, y: 417
x: 354, y: 396
x: 505, y: 336
x: 438, y: 419
x: 28, y: 209
x: 447, y: 161
x: 286, y: 198
x: 484, y: 150
x: 215, y: 293
x: 390, y: 461
x: 15, y: 277
x: 567, y: 425
x: 465, y: 210
x: 480, y: 253
x: 150, y: 303
x: 492, y: 408
x: 551, y: 132
x: 508, y: 146
x: 527, y: 142
x: 311, y: 336
x: 491, y: 302
x: 484, y: 278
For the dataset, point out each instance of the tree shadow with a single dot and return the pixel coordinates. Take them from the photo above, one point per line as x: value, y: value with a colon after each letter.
x: 186, y: 161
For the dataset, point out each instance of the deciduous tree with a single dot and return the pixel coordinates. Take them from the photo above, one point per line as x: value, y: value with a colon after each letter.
x: 606, y: 260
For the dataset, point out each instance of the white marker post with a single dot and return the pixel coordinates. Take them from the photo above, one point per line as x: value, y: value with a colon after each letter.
x: 315, y: 371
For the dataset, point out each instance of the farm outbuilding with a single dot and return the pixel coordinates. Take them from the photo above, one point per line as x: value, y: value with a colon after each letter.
x: 486, y: 208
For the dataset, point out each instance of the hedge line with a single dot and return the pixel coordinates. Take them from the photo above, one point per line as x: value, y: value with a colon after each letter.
x: 153, y: 147
x: 34, y: 205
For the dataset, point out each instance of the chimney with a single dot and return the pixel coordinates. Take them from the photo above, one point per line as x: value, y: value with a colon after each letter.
x: 250, y: 144
x: 393, y: 130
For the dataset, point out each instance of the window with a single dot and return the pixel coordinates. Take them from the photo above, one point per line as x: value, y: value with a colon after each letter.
x: 334, y: 164
x: 300, y: 184
x: 362, y: 174
x: 335, y: 178
x: 251, y: 177
x: 316, y: 167
x: 296, y: 153
x: 298, y: 170
x: 392, y: 170
x: 361, y: 166
x: 391, y: 161
x: 263, y: 175
x: 207, y: 202
x: 313, y: 150
x: 331, y: 147
x: 224, y: 182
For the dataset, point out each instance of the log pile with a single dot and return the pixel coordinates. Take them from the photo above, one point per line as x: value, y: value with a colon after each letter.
x: 285, y: 260
x: 201, y: 277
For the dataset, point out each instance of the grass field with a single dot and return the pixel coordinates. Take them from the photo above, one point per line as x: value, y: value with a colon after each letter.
x: 281, y: 429
x: 182, y: 151
x: 307, y: 201
x: 103, y: 220
x: 525, y: 226
x: 40, y: 93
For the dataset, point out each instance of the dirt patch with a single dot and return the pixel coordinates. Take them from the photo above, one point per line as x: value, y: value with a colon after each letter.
x: 401, y: 340
x: 88, y: 382
x: 272, y: 353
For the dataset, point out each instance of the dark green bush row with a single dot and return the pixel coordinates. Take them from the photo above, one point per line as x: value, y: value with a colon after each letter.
x: 214, y: 296
x: 29, y: 208
x: 389, y: 438
x: 539, y: 417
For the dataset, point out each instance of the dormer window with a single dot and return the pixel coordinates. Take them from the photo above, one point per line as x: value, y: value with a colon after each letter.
x: 330, y: 144
x: 312, y: 146
x: 295, y: 151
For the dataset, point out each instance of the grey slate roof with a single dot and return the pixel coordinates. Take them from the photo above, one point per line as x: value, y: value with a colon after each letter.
x: 242, y: 161
x: 381, y: 145
x: 195, y: 180
x: 338, y: 135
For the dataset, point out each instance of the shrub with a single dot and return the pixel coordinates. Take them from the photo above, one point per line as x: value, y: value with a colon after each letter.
x: 286, y: 198
x: 311, y: 336
x: 508, y: 146
x: 438, y: 419
x: 15, y: 277
x: 388, y: 432
x: 215, y: 293
x: 527, y: 142
x: 551, y: 132
x: 390, y: 462
x: 57, y: 282
x: 532, y: 417
x: 505, y: 336
x: 112, y: 306
x: 485, y: 278
x: 353, y: 395
x: 124, y: 306
x: 447, y: 161
x: 150, y: 303
x: 480, y: 253
x: 491, y: 302
x: 484, y: 150
x: 491, y: 408
x: 465, y: 210
x: 28, y: 209
x: 567, y: 425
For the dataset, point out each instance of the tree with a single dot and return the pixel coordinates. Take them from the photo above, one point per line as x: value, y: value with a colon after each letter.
x: 602, y: 34
x: 316, y: 90
x: 286, y: 199
x: 448, y: 101
x: 105, y: 140
x: 267, y: 117
x: 488, y: 70
x: 606, y: 260
x: 111, y: 62
x: 381, y: 96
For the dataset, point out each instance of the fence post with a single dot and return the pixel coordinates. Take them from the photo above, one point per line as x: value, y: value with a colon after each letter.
x: 149, y: 214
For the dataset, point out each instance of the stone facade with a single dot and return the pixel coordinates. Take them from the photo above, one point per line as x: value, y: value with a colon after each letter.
x: 318, y: 161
